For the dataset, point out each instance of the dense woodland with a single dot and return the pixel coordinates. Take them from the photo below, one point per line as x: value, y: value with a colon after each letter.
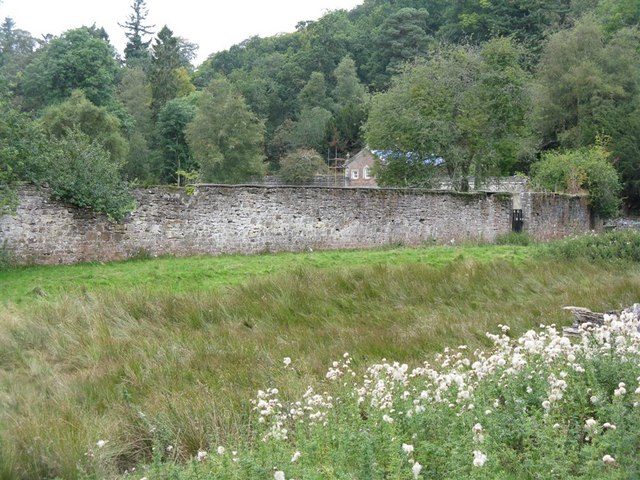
x: 549, y: 88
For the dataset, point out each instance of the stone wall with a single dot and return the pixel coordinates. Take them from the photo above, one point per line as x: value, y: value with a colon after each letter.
x: 250, y: 219
x: 550, y: 216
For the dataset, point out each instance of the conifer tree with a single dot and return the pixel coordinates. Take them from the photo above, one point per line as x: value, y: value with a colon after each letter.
x: 137, y: 50
x: 165, y: 62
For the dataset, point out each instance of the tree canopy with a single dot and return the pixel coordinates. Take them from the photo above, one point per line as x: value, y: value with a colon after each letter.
x: 225, y: 136
x: 463, y: 88
x: 80, y: 59
x: 465, y: 105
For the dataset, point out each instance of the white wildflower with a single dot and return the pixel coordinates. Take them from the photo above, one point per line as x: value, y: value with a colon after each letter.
x: 101, y: 443
x: 408, y: 449
x: 202, y: 455
x: 286, y: 361
x: 295, y: 457
x: 479, y: 458
x: 279, y: 475
x: 416, y: 469
x: 608, y: 460
x: 221, y: 450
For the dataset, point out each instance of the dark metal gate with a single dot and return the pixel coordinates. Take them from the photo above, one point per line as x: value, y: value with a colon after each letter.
x: 517, y: 220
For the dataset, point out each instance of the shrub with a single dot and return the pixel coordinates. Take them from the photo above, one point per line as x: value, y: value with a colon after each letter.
x: 301, y: 166
x: 81, y: 172
x: 623, y: 245
x: 582, y: 170
x: 96, y: 122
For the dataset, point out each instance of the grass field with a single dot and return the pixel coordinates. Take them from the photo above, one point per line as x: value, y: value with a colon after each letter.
x: 180, y: 275
x: 153, y: 352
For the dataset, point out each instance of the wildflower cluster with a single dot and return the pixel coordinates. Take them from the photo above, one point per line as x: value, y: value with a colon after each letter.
x: 540, y: 376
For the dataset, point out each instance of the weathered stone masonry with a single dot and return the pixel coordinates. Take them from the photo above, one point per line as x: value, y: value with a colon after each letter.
x: 248, y: 219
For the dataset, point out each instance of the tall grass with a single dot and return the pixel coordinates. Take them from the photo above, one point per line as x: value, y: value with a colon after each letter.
x: 184, y: 275
x: 139, y: 368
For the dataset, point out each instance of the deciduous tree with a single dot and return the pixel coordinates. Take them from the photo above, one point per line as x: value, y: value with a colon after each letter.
x: 225, y: 136
x: 301, y: 166
x: 79, y: 59
x: 588, y: 84
x: 465, y: 105
x: 171, y: 134
x: 96, y: 122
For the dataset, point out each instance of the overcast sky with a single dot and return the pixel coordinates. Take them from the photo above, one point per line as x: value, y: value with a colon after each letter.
x: 213, y: 25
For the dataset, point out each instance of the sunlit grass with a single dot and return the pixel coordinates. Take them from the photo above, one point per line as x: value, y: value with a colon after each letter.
x: 179, y: 275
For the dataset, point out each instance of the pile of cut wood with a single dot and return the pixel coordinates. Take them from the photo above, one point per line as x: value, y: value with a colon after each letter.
x: 583, y: 317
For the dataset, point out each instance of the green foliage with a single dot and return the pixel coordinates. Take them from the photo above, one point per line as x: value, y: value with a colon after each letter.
x: 577, y: 171
x: 350, y: 110
x: 588, y: 85
x: 21, y: 141
x: 617, y: 14
x: 136, y: 52
x: 527, y: 21
x: 465, y: 105
x: 134, y: 93
x: 97, y: 123
x: 172, y: 123
x: 401, y: 38
x: 76, y: 167
x: 225, y: 137
x: 16, y: 51
x: 167, y: 75
x: 80, y: 171
x: 308, y: 131
x: 348, y: 87
x: 399, y: 170
x: 611, y: 246
x: 79, y: 59
x: 514, y: 238
x: 314, y: 93
x: 301, y: 166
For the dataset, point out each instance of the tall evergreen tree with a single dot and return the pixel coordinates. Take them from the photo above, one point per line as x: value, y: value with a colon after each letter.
x: 166, y: 73
x: 314, y: 93
x: 137, y: 50
x: 16, y: 51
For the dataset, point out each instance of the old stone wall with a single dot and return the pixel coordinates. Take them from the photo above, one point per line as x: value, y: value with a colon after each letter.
x: 550, y: 216
x: 250, y: 219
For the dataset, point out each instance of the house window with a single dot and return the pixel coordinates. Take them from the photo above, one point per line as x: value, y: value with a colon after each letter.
x: 346, y: 172
x: 366, y: 173
x: 354, y: 174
